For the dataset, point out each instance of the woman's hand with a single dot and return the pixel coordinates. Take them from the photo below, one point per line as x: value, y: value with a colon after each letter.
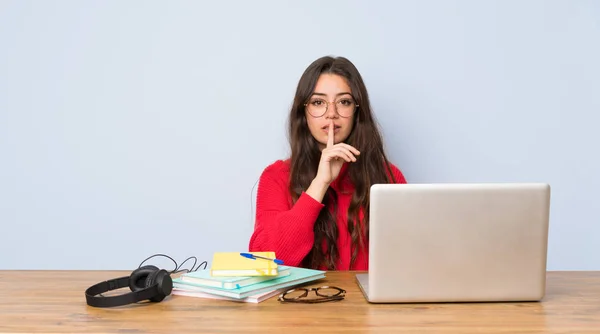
x: 333, y: 157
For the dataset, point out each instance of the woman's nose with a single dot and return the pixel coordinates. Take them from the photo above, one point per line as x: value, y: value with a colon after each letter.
x: 331, y: 110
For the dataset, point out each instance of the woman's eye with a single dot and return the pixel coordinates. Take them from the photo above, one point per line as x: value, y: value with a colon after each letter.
x: 317, y: 103
x: 345, y: 102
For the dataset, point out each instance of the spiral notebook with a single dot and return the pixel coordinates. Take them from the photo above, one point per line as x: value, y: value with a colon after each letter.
x: 256, y: 298
x: 296, y: 276
x: 204, y: 277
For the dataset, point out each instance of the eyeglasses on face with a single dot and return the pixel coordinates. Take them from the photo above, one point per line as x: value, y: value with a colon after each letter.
x: 323, y: 294
x: 318, y: 106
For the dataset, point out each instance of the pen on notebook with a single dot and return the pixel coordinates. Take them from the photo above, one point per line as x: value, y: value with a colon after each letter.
x: 254, y: 257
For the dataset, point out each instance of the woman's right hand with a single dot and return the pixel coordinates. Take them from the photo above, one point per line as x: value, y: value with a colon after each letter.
x: 333, y: 157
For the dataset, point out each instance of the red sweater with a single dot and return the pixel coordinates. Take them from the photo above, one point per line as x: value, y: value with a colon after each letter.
x: 287, y: 229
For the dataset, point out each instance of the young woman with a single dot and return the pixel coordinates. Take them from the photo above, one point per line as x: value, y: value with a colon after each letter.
x: 312, y: 209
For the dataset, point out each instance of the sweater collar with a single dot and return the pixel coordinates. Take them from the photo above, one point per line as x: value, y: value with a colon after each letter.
x: 343, y: 183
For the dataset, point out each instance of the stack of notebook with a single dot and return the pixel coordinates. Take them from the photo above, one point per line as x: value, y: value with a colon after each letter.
x: 237, y: 278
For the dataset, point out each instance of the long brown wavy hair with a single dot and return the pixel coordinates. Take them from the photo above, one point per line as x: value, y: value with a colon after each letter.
x: 371, y: 167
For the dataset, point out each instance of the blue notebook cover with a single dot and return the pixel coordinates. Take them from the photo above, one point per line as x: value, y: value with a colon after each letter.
x: 296, y: 276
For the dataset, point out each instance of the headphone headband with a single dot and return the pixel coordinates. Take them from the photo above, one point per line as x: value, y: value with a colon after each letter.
x: 147, y: 282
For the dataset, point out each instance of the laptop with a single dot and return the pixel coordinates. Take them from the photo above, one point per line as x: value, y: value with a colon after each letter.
x: 431, y: 243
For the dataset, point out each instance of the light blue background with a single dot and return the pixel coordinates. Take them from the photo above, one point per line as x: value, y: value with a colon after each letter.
x: 129, y: 128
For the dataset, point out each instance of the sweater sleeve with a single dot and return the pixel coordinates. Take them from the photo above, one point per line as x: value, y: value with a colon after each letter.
x: 281, y: 227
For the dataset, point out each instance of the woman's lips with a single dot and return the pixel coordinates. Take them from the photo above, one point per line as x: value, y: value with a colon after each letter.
x: 336, y: 128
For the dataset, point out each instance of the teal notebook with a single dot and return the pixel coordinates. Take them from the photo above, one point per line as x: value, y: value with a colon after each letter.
x: 204, y: 278
x: 296, y: 276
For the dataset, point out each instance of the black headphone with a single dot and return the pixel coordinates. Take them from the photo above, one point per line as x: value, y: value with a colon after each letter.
x: 146, y: 283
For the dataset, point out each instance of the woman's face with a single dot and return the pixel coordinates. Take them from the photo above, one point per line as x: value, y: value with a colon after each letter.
x: 331, y: 101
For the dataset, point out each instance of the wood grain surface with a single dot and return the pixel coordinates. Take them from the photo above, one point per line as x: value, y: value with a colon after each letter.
x: 54, y: 302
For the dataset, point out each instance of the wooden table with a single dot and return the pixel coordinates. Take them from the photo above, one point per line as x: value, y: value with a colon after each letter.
x: 54, y: 302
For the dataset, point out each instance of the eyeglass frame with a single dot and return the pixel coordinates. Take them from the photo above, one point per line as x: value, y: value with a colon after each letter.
x: 341, y: 294
x: 356, y: 105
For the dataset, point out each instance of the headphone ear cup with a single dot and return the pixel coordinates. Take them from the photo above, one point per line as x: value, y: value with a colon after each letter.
x: 137, y: 279
x: 164, y: 282
x: 151, y: 279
